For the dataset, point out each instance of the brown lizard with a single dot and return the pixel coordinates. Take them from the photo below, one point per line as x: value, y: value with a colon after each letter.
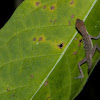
x: 89, y: 49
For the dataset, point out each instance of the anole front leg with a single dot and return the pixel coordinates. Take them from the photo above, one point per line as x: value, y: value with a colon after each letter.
x: 89, y: 49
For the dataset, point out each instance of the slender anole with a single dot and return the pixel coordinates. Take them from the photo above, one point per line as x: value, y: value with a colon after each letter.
x: 89, y: 49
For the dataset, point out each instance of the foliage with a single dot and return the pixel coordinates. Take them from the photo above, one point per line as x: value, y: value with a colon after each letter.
x: 40, y: 49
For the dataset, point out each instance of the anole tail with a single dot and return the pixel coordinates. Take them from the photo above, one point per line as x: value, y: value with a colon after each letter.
x: 89, y: 64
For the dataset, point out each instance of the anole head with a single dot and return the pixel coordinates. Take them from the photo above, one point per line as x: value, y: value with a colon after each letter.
x: 80, y: 26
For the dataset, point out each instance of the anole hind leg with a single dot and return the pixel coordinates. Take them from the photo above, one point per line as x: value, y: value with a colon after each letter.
x: 93, y: 51
x: 79, y: 66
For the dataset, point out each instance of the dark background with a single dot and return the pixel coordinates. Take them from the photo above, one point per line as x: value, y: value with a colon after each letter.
x: 91, y: 89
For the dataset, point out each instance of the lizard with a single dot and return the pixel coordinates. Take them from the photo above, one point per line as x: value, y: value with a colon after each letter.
x: 89, y: 49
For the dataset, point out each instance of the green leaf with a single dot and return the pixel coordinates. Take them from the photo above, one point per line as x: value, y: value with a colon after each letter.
x: 40, y: 49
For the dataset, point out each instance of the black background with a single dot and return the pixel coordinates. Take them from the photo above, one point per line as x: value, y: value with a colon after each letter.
x: 91, y: 89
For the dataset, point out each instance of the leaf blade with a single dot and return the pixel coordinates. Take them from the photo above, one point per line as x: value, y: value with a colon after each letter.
x: 24, y: 37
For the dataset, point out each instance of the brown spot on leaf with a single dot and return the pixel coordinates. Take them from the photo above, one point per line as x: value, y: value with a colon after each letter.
x: 8, y: 89
x: 46, y: 83
x: 72, y: 16
x: 37, y: 3
x: 61, y: 45
x: 51, y: 20
x: 34, y: 39
x: 31, y: 76
x: 79, y: 44
x: 69, y: 22
x: 72, y: 2
x: 52, y: 7
x: 74, y: 53
x: 40, y: 38
x: 54, y: 21
x: 80, y: 40
x: 44, y: 6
